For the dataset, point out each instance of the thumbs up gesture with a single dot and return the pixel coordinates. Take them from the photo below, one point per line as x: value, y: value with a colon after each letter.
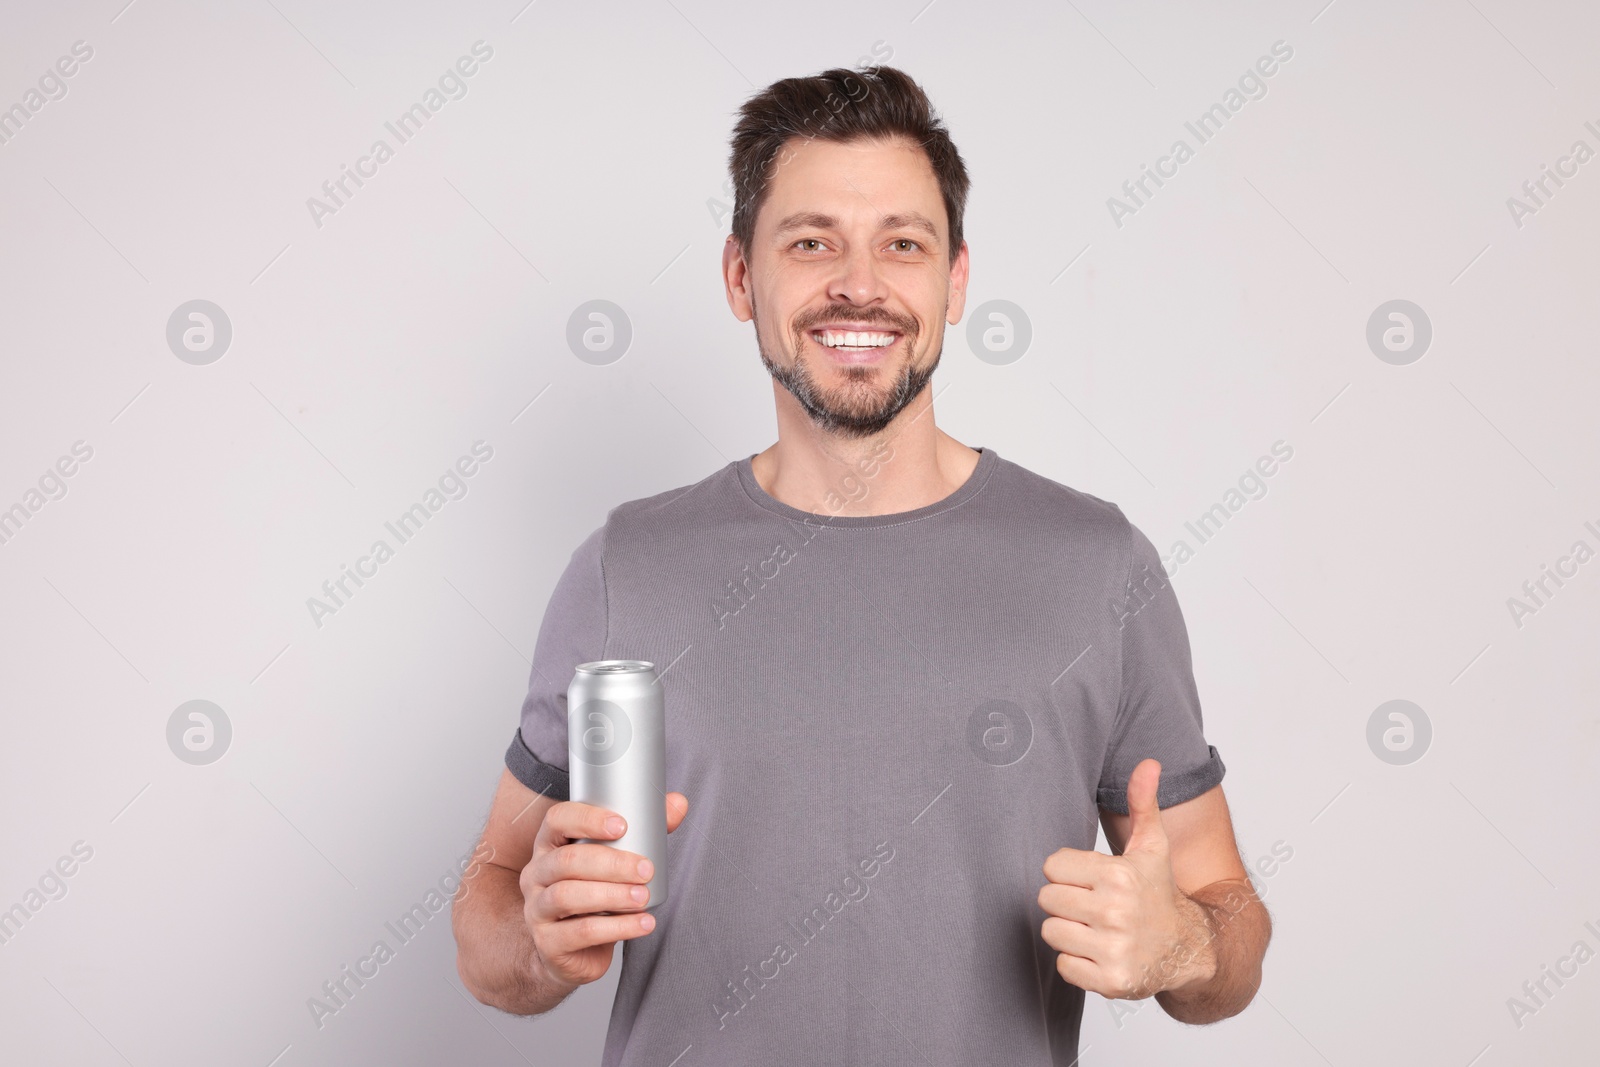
x: 1121, y: 925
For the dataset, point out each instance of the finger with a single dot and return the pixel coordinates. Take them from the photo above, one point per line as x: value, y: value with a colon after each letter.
x: 1075, y: 866
x: 576, y: 896
x: 586, y: 931
x: 1145, y: 831
x: 573, y: 820
x: 590, y: 862
x: 1072, y: 902
x: 677, y: 808
x: 1073, y: 938
x: 1085, y: 974
x: 1109, y: 978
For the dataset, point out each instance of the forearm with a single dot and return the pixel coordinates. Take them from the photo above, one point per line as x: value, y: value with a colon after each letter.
x: 1231, y: 929
x: 495, y: 954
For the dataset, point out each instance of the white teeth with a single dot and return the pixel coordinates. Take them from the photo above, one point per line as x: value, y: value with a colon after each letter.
x: 853, y: 338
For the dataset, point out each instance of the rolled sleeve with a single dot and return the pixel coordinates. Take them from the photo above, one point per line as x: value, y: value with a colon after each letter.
x: 1158, y: 713
x: 574, y: 631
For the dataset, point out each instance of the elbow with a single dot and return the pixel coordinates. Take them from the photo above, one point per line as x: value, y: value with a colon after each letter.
x: 471, y: 973
x: 467, y: 968
x: 464, y: 973
x: 469, y: 980
x: 1240, y: 943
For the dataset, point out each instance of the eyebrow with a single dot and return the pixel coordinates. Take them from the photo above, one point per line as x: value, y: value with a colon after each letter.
x: 804, y: 220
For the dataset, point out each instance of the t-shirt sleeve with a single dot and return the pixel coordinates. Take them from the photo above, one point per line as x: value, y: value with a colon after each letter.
x: 573, y: 632
x: 1158, y: 713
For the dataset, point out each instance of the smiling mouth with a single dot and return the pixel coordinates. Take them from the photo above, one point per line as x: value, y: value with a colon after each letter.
x: 857, y: 343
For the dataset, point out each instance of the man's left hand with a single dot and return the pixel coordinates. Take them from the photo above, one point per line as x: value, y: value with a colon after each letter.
x: 1122, y: 926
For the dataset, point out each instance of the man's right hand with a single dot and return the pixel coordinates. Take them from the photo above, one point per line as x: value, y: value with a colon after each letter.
x: 569, y: 886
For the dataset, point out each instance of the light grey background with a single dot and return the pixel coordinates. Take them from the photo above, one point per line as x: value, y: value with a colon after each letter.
x: 586, y: 162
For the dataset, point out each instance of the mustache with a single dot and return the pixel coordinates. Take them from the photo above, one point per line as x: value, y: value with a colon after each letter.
x: 870, y: 316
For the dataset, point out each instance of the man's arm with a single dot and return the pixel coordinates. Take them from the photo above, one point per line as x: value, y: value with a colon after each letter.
x: 1173, y: 914
x: 494, y: 947
x: 543, y: 914
x: 1229, y: 925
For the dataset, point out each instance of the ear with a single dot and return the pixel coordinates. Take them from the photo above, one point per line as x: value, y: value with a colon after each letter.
x: 736, y: 278
x: 958, y: 286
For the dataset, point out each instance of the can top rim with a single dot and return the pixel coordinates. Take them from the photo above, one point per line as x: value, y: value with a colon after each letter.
x: 616, y: 666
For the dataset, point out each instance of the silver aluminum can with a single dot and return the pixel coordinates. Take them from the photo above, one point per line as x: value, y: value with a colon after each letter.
x: 617, y: 755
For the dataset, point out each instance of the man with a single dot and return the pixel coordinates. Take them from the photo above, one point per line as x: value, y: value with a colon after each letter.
x: 902, y: 677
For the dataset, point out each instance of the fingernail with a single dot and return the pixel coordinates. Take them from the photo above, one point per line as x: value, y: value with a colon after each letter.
x: 615, y: 825
x: 639, y: 893
x: 647, y: 922
x: 645, y: 867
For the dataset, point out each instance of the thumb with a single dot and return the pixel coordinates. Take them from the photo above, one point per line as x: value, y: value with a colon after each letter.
x: 1145, y: 832
x: 677, y: 808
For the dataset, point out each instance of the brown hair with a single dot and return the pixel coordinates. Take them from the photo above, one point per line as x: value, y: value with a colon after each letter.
x: 839, y: 105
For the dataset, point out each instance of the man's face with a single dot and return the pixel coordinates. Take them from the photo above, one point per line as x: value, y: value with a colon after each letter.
x: 849, y: 279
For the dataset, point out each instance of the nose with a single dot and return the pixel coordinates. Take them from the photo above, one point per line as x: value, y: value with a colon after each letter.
x: 858, y: 279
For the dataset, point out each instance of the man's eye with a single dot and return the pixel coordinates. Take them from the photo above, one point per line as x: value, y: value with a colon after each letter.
x: 805, y: 242
x: 905, y: 241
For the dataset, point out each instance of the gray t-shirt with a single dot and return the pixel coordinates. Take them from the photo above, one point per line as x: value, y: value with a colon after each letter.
x: 884, y: 724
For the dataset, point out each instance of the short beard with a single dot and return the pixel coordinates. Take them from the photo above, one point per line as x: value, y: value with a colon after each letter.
x: 839, y: 416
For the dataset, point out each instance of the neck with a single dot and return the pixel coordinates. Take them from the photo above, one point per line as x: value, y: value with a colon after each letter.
x: 909, y: 464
